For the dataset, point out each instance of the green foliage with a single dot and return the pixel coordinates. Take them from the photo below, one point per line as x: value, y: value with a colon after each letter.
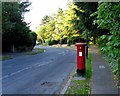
x: 46, y: 29
x: 2, y: 58
x: 58, y: 27
x: 107, y: 18
x: 84, y: 23
x: 66, y: 25
x: 14, y: 30
x: 88, y: 67
x: 33, y: 38
x: 37, y: 51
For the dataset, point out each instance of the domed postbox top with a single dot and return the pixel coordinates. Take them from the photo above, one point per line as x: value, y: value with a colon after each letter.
x: 77, y: 44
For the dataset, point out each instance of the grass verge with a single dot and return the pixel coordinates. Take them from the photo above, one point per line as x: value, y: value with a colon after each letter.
x: 81, y: 87
x: 37, y: 50
x: 2, y: 58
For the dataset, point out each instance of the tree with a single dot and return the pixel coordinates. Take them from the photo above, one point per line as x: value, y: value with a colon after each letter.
x: 46, y: 30
x: 85, y: 9
x: 15, y: 32
x: 59, y: 26
x: 70, y: 23
x: 75, y: 22
x: 40, y: 34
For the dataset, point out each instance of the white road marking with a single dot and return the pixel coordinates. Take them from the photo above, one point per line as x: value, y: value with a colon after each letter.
x: 62, y: 53
x: 34, y: 66
x: 4, y: 77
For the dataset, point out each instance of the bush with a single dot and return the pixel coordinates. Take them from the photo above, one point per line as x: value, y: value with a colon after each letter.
x: 34, y: 38
x: 27, y: 43
x: 50, y: 42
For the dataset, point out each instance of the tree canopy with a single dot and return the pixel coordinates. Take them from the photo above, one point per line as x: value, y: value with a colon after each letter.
x: 59, y: 27
x: 15, y: 31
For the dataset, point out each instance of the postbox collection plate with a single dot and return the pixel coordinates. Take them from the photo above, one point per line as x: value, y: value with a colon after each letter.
x: 80, y: 53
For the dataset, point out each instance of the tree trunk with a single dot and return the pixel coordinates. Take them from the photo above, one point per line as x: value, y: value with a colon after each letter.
x: 43, y: 41
x: 13, y: 48
x: 68, y: 42
x: 60, y: 42
x: 94, y: 37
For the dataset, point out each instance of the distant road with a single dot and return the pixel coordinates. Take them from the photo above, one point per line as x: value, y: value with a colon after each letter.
x: 43, y: 73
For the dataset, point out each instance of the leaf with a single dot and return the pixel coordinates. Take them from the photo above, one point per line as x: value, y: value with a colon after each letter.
x: 103, y: 37
x: 110, y: 37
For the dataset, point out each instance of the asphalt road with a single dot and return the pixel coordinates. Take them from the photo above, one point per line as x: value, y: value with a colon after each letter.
x: 43, y: 73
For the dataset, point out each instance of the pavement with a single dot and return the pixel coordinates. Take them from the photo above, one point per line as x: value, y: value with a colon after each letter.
x: 102, y: 81
x: 43, y: 73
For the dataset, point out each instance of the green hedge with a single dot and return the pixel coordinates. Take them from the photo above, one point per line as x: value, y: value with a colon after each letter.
x: 109, y: 44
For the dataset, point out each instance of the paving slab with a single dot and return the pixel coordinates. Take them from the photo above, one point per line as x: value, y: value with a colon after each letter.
x: 79, y: 78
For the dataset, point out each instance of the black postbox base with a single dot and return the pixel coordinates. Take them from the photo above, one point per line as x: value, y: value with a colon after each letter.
x: 81, y: 72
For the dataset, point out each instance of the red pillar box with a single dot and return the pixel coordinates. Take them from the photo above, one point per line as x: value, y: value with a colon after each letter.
x: 80, y: 58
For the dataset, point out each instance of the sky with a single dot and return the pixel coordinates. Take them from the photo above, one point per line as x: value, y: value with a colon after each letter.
x: 40, y: 8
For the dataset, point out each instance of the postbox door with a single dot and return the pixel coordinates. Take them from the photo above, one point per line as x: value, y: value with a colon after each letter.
x: 81, y: 57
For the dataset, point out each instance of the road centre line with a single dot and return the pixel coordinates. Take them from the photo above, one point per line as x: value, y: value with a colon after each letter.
x: 34, y: 66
